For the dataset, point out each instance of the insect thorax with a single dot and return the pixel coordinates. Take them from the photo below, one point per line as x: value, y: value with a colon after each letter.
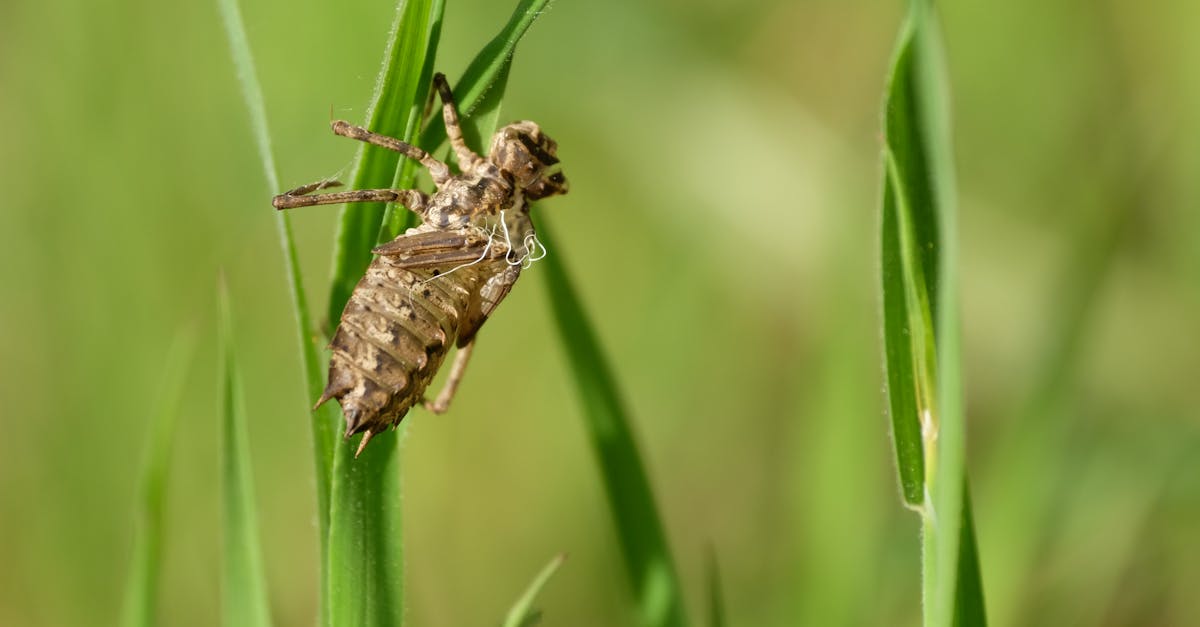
x: 473, y: 199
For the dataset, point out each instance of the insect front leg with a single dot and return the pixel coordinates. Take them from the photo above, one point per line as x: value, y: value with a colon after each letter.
x: 467, y: 159
x: 302, y: 196
x: 438, y: 171
x: 442, y: 403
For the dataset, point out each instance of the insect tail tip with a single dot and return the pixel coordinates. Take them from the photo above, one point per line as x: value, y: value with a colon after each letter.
x: 367, y: 435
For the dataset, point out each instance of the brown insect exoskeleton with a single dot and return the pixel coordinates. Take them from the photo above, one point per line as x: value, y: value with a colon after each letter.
x: 436, y: 284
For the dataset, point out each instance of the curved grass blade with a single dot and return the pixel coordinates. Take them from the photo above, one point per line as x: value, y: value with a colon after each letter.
x: 141, y: 590
x: 921, y: 327
x: 522, y: 613
x: 323, y: 436
x: 243, y: 585
x: 647, y: 557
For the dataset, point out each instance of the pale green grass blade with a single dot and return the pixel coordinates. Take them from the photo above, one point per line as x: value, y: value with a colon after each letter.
x: 522, y: 613
x: 643, y: 542
x: 243, y: 585
x: 395, y: 110
x: 323, y: 435
x: 141, y: 589
x: 921, y: 326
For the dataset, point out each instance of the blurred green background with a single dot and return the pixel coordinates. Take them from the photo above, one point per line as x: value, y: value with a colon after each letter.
x: 724, y: 167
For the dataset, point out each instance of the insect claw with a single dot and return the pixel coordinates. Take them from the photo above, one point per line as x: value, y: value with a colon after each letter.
x: 367, y: 435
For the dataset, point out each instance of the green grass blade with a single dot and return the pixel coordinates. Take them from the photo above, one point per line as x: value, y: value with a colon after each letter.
x: 488, y: 71
x: 141, y: 590
x: 647, y: 557
x: 243, y: 585
x: 921, y: 326
x: 522, y: 613
x: 323, y: 435
x: 395, y: 110
x: 363, y: 583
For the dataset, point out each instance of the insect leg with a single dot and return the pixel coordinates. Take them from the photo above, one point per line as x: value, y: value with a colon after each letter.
x: 444, y: 397
x: 439, y: 171
x: 414, y: 200
x: 467, y: 159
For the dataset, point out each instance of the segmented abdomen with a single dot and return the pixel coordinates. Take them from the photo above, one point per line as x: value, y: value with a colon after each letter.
x: 395, y: 331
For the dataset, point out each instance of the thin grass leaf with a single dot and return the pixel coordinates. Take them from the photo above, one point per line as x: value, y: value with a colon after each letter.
x: 243, y: 585
x: 141, y: 589
x: 323, y: 436
x: 921, y: 327
x: 522, y: 613
x: 647, y: 557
